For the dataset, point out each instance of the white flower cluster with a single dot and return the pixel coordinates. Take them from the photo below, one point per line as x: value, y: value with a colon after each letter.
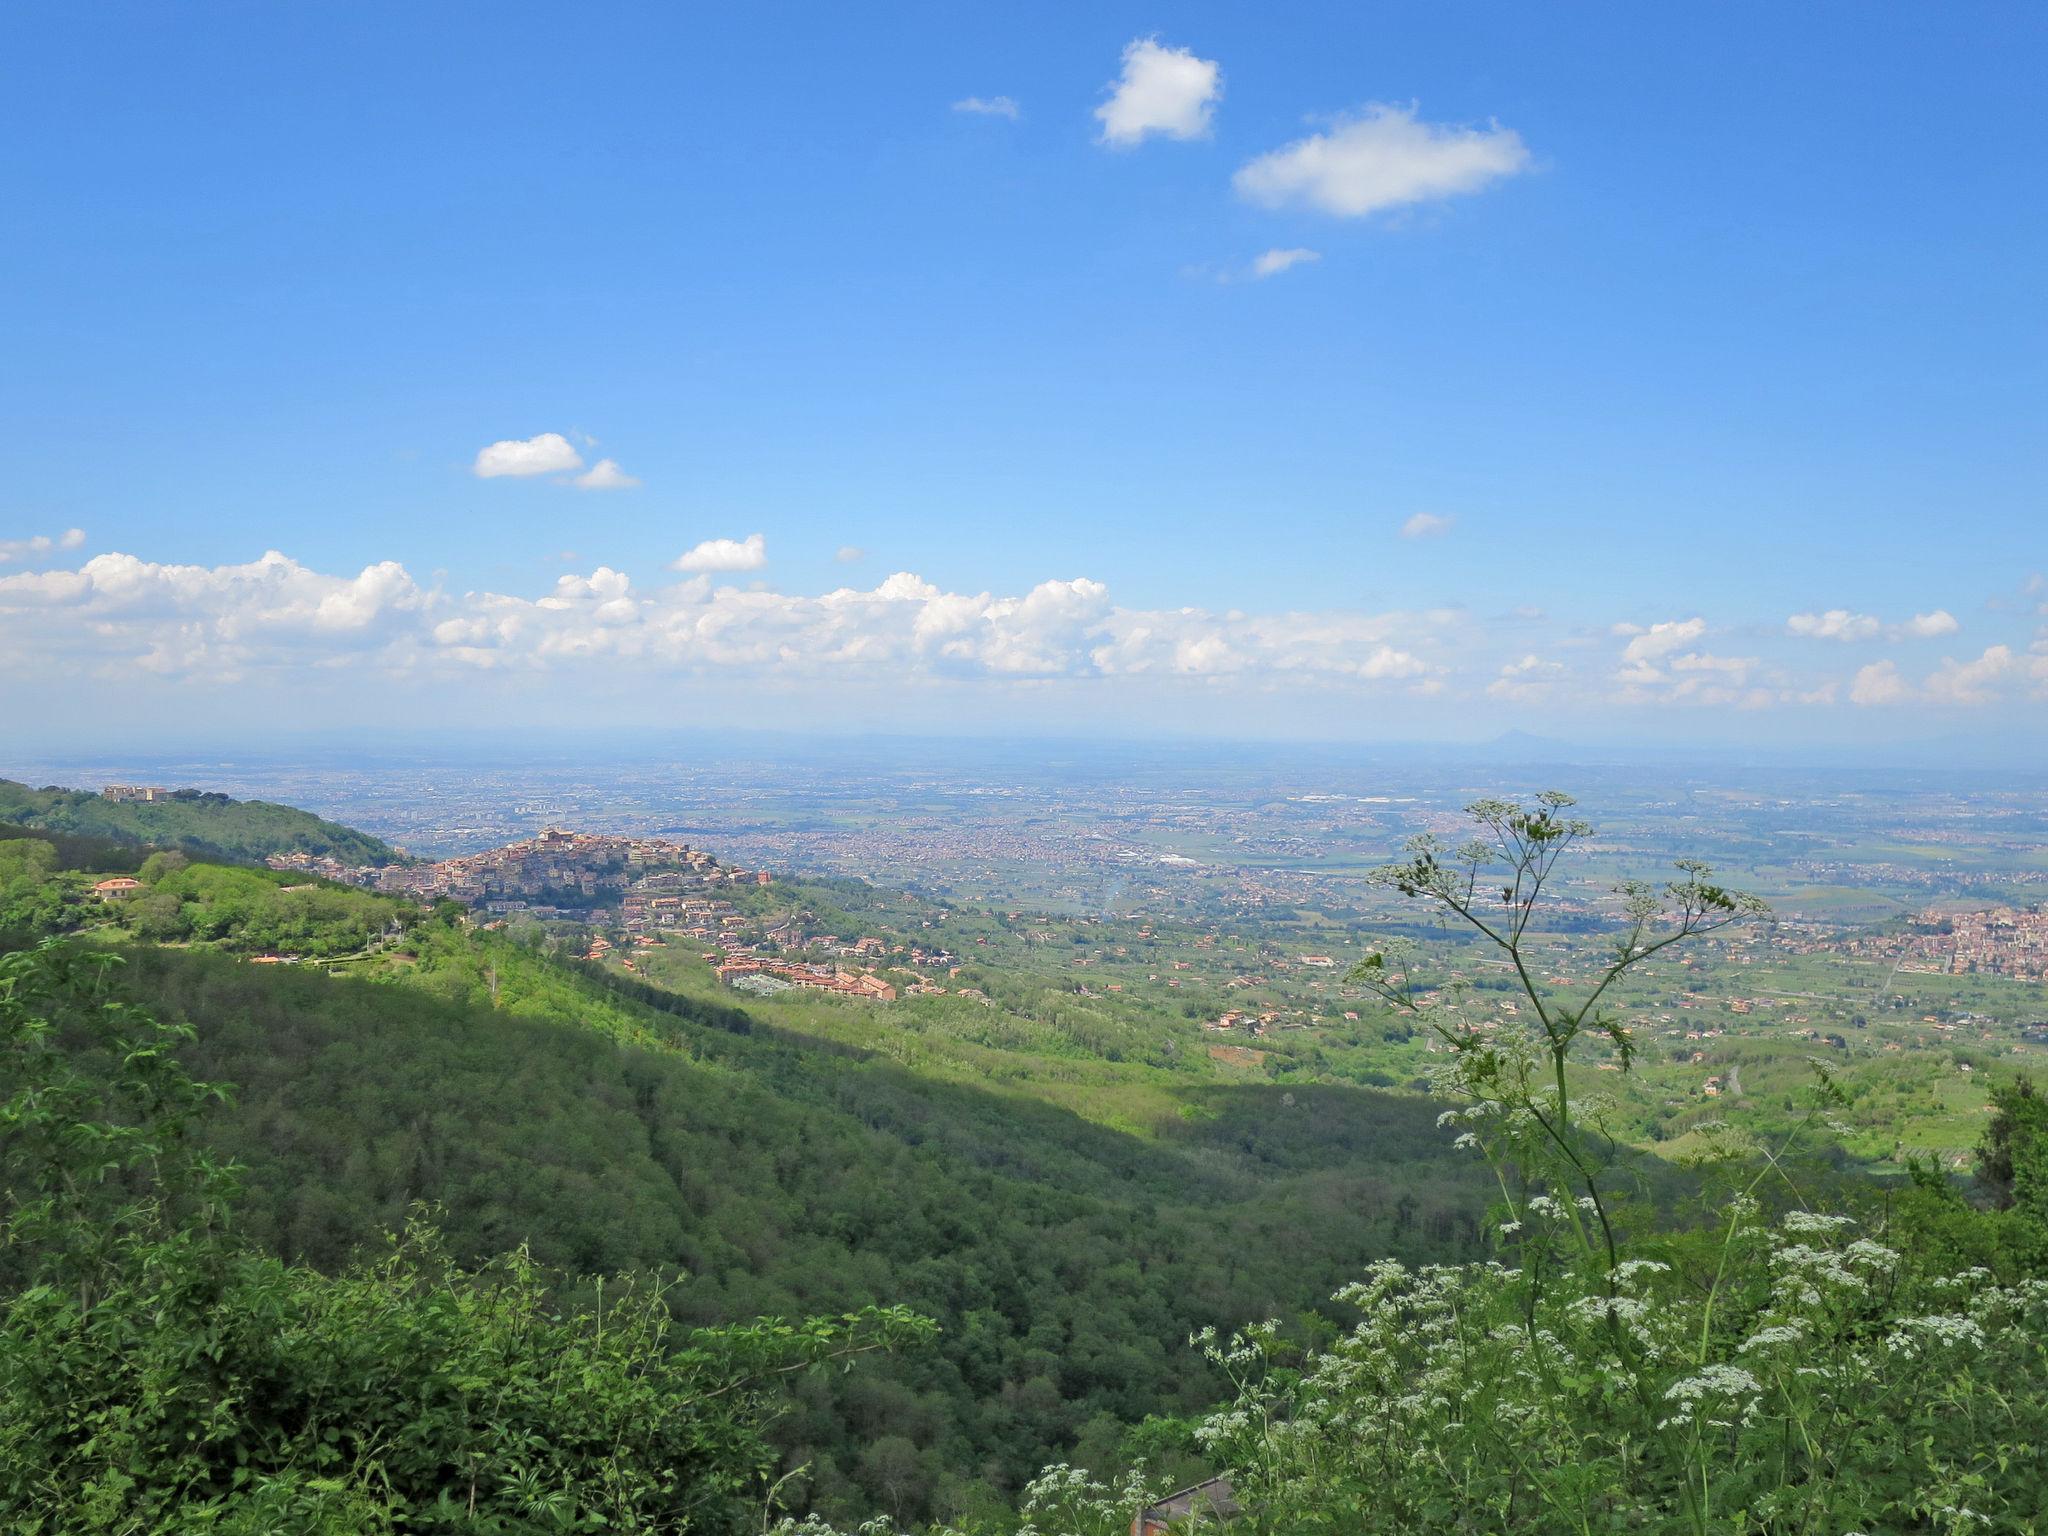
x: 1911, y: 1335
x: 1714, y: 1384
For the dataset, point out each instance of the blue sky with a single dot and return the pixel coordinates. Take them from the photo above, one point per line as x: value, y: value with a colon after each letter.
x: 1708, y: 318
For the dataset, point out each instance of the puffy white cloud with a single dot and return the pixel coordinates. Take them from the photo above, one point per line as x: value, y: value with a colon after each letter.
x: 1841, y: 624
x: 1954, y: 684
x: 1532, y: 680
x: 1272, y: 263
x: 1162, y: 90
x: 119, y: 613
x: 548, y: 454
x: 1968, y: 682
x: 605, y: 475
x: 1427, y: 525
x: 1647, y: 645
x: 1927, y: 626
x: 748, y: 554
x: 1382, y: 157
x: 988, y: 106
x: 39, y: 544
x: 1879, y: 684
x: 218, y: 619
x: 1658, y: 667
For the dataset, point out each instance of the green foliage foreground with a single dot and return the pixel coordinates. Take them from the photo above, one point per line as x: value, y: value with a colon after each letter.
x: 157, y: 1375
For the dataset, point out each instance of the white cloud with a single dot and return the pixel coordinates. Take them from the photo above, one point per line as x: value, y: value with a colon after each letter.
x: 988, y: 106
x: 215, y: 620
x: 549, y: 453
x: 1954, y: 684
x: 1272, y: 263
x: 1841, y: 624
x: 1928, y: 626
x: 605, y: 475
x: 1835, y: 624
x: 1162, y: 90
x: 117, y: 614
x: 748, y: 554
x: 1532, y: 680
x: 1968, y: 682
x: 1659, y: 639
x: 1427, y: 525
x: 1658, y: 667
x: 850, y: 553
x: 1382, y: 157
x: 39, y: 544
x: 1879, y: 684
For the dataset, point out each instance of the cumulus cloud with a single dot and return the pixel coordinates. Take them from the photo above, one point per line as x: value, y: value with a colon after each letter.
x: 1532, y: 680
x: 1841, y: 624
x: 1927, y: 626
x: 1658, y: 666
x: 1954, y: 684
x: 217, y: 619
x: 1969, y: 682
x: 1647, y: 645
x: 548, y: 454
x: 748, y: 554
x: 988, y: 106
x: 1427, y: 525
x: 1382, y: 157
x: 1272, y: 263
x: 605, y: 475
x: 119, y: 613
x: 39, y: 544
x: 1162, y: 90
x: 1879, y: 684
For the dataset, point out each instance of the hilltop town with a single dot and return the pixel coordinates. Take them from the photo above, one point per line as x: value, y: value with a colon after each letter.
x: 591, y: 877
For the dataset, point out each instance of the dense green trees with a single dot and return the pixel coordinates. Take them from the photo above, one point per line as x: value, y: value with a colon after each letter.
x: 245, y: 911
x: 1066, y: 1263
x: 158, y: 1374
x: 209, y: 825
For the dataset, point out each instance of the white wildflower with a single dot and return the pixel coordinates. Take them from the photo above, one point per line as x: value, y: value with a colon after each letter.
x: 1807, y: 1223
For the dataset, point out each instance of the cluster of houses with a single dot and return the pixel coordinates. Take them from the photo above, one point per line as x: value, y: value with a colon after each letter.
x: 826, y: 963
x: 556, y: 873
x: 134, y: 794
x: 2001, y: 941
x: 798, y: 973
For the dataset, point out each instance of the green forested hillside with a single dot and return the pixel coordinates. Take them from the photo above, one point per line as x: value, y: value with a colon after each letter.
x: 608, y: 1127
x: 241, y: 910
x: 199, y: 823
x: 160, y: 1373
